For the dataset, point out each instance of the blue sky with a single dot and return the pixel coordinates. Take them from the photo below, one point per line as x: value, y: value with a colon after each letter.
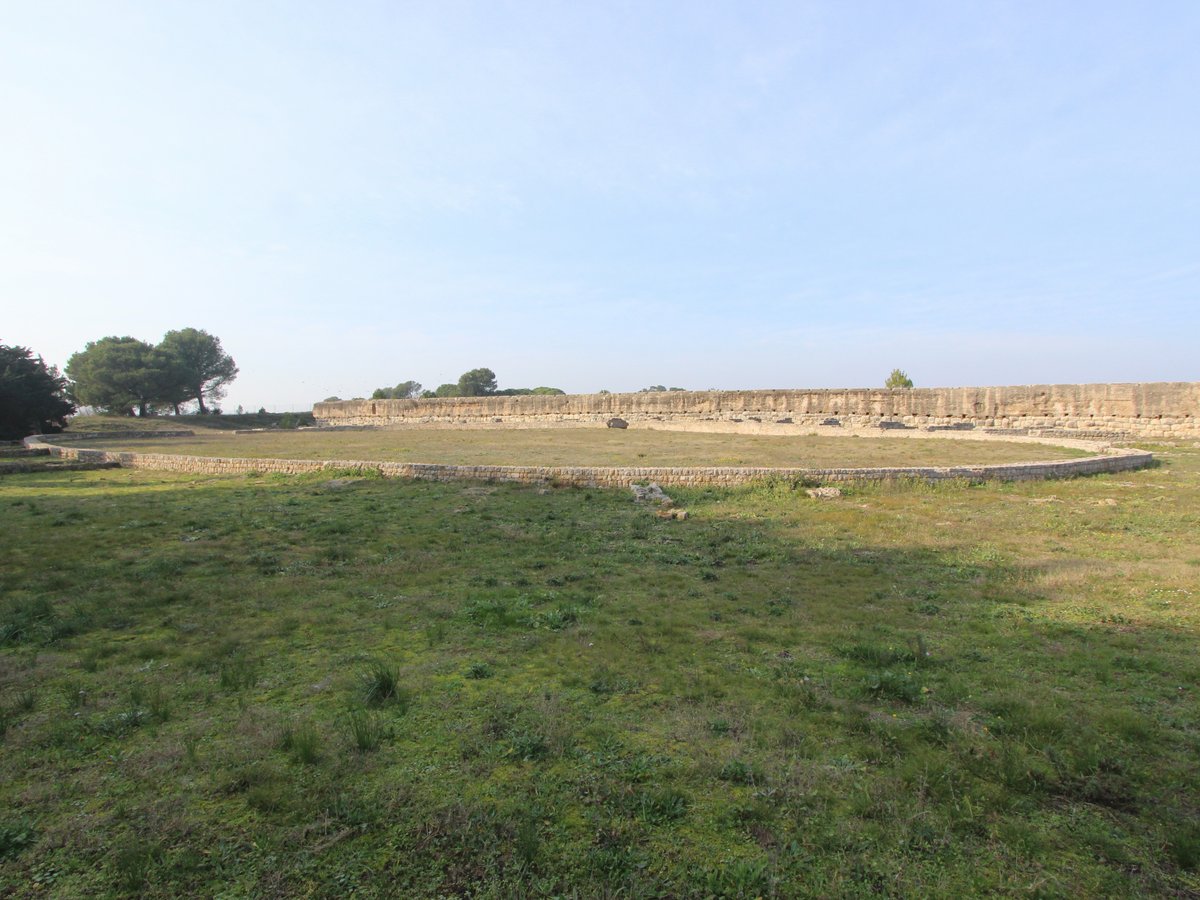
x: 608, y: 195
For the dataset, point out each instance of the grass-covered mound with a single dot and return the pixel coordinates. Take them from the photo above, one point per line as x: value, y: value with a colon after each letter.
x: 295, y: 686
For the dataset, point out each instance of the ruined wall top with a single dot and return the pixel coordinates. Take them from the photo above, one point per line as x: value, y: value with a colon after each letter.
x: 1176, y: 400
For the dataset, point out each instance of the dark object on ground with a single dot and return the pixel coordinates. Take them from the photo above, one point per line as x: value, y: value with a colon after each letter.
x: 617, y: 423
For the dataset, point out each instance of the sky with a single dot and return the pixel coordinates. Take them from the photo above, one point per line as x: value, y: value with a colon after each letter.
x: 607, y: 195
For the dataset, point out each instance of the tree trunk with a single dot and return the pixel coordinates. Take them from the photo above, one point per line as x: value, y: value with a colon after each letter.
x: 200, y: 399
x: 176, y: 405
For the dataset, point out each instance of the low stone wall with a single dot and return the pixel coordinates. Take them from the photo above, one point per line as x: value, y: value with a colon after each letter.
x: 1159, y: 411
x: 1114, y: 460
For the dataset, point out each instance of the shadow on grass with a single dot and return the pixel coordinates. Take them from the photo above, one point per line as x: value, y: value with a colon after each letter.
x: 721, y: 705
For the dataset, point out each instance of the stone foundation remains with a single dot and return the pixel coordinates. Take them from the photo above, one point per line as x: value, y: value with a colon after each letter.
x: 1111, y: 460
x: 1150, y: 411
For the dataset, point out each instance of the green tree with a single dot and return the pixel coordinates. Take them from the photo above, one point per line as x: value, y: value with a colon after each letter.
x: 898, y: 379
x: 118, y: 375
x: 548, y: 390
x: 173, y: 388
x: 33, y: 396
x: 477, y: 383
x: 405, y: 390
x: 447, y: 390
x: 199, y: 364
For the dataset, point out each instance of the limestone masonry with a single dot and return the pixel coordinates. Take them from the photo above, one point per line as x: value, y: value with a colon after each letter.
x: 1111, y: 460
x: 1162, y: 410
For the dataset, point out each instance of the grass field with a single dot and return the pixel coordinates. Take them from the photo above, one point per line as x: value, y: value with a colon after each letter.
x: 295, y: 686
x: 209, y: 422
x: 599, y: 447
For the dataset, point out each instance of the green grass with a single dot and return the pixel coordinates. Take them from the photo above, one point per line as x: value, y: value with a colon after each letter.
x: 280, y: 686
x: 601, y: 447
x: 209, y: 422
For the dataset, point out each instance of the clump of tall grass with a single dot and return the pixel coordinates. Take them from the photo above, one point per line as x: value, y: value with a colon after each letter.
x: 381, y: 686
x: 238, y: 673
x: 367, y: 731
x: 302, y: 741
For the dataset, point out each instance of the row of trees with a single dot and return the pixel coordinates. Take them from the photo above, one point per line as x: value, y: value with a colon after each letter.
x: 482, y: 383
x: 121, y: 375
x: 475, y: 383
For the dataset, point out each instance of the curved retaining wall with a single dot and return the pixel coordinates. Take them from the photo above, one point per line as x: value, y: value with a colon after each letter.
x: 1150, y: 410
x: 1115, y: 460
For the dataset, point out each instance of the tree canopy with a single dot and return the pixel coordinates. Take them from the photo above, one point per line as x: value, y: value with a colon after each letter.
x: 477, y: 383
x: 33, y: 396
x: 119, y: 374
x: 198, y: 366
x: 405, y: 390
x: 124, y: 374
x: 898, y: 379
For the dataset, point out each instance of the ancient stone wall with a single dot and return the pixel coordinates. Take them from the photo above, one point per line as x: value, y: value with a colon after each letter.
x: 606, y: 476
x: 1161, y: 410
